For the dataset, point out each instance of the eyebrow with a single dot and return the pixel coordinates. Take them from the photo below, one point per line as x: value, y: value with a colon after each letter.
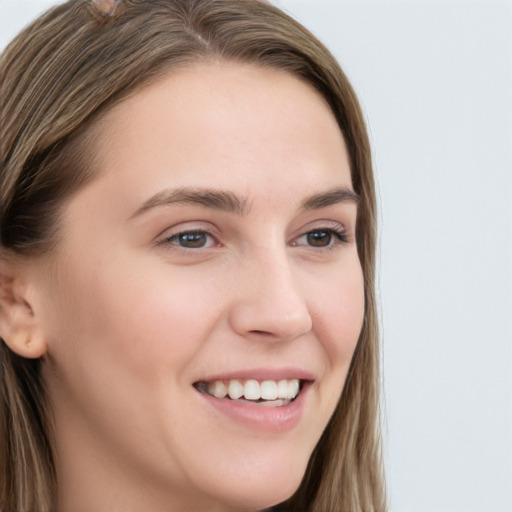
x: 329, y: 198
x: 210, y: 198
x: 227, y: 201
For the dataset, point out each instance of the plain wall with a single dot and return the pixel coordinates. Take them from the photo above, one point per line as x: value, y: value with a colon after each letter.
x: 435, y: 81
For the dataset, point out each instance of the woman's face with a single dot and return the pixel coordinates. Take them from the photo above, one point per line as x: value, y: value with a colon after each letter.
x: 215, y: 249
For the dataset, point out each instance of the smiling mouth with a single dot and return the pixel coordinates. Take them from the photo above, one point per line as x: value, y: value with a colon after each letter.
x: 268, y: 392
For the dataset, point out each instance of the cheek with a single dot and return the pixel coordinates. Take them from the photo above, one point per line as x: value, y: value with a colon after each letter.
x: 338, y: 321
x: 340, y: 313
x: 121, y: 342
x: 166, y: 313
x: 133, y: 315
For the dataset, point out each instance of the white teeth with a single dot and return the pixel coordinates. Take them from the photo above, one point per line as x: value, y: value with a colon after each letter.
x: 280, y: 392
x: 268, y: 390
x: 293, y: 388
x: 252, y: 390
x: 282, y: 389
x: 235, y: 389
x: 218, y: 389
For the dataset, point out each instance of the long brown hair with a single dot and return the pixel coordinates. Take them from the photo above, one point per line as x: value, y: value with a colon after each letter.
x: 57, y: 77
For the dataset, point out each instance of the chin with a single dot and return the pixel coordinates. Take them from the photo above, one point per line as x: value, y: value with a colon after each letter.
x: 251, y: 500
x: 259, y: 485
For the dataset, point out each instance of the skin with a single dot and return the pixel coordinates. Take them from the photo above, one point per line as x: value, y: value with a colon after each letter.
x: 130, y: 320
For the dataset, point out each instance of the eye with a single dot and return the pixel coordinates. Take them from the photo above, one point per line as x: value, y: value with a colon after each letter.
x: 322, y: 238
x: 192, y: 240
x: 319, y: 238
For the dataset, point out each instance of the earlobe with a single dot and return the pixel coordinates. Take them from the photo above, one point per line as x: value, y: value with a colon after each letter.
x: 25, y: 345
x: 18, y: 324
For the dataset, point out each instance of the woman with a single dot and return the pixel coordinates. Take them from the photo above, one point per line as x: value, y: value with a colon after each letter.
x: 187, y: 268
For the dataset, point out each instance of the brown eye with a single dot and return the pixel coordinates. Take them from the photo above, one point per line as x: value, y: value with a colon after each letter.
x: 191, y: 240
x: 320, y: 238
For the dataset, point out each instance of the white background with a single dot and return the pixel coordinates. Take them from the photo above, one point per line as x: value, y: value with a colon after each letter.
x: 435, y: 80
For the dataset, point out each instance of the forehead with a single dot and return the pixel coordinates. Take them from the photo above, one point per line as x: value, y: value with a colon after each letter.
x: 223, y: 125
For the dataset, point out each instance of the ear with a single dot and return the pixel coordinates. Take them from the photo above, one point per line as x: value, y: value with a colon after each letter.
x: 18, y: 323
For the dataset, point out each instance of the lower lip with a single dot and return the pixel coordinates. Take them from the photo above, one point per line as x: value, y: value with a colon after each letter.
x: 263, y: 418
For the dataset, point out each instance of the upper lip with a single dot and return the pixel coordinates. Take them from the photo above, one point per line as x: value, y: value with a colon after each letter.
x: 262, y: 374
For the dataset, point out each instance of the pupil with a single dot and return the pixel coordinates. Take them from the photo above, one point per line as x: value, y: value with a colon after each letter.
x: 319, y: 238
x: 193, y: 240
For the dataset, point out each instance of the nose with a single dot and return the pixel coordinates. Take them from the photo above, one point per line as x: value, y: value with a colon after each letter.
x: 269, y: 303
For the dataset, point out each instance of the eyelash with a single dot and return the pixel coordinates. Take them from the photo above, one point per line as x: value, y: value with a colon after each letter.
x: 336, y: 236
